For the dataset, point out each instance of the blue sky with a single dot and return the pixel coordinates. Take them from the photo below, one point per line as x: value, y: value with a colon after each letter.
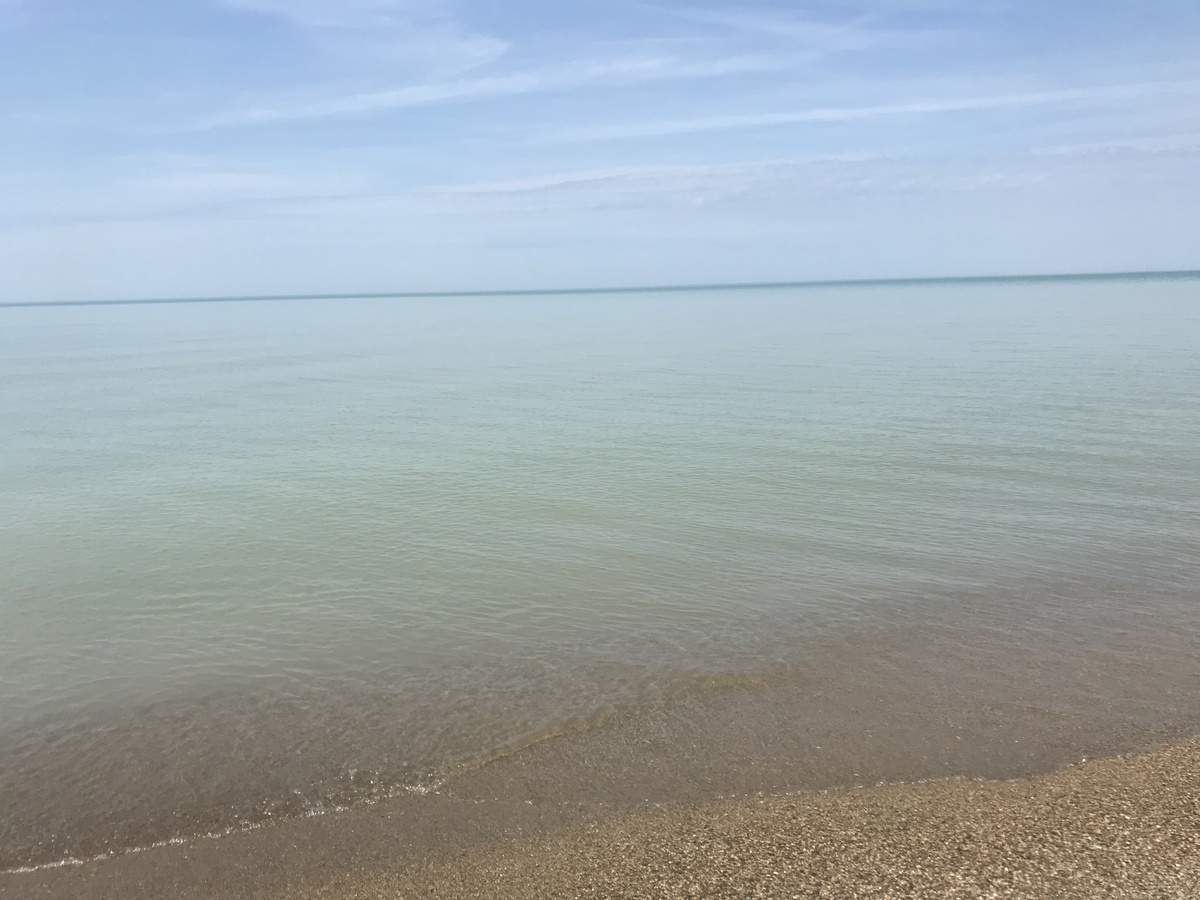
x: 193, y: 147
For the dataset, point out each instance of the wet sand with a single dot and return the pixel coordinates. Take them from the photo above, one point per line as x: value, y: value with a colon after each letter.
x: 774, y: 788
x: 1119, y: 828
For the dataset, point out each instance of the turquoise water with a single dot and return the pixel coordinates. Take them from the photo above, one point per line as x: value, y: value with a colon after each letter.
x: 265, y: 558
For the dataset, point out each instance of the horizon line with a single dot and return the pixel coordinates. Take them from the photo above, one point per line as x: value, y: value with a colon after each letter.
x: 633, y: 289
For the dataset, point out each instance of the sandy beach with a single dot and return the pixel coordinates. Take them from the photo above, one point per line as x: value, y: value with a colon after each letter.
x: 890, y: 778
x: 1116, y: 828
x: 772, y: 793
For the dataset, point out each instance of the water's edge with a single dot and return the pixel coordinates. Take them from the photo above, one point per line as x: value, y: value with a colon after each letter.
x: 916, y: 703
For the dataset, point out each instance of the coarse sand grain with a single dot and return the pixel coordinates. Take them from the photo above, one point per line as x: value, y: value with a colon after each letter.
x: 1114, y: 828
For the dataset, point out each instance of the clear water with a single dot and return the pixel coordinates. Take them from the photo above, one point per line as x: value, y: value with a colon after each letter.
x: 263, y: 558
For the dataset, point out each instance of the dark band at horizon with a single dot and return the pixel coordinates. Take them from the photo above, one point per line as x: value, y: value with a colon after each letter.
x: 644, y: 289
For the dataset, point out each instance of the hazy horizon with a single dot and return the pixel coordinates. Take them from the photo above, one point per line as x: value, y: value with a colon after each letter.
x: 500, y: 292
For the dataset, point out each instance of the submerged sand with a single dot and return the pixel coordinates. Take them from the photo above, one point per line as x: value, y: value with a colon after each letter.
x: 1119, y: 827
x: 1115, y: 828
x: 632, y: 808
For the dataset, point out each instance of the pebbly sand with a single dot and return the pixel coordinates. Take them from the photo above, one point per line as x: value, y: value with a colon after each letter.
x: 1115, y: 828
x: 987, y: 797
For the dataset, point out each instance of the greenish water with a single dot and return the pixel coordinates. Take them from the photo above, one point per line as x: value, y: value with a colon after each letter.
x: 267, y: 558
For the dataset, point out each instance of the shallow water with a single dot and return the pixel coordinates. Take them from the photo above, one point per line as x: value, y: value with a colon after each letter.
x: 262, y: 559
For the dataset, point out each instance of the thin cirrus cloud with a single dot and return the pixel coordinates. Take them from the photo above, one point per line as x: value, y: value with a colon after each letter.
x: 852, y: 35
x: 646, y: 60
x: 174, y: 193
x: 382, y: 34
x: 336, y: 13
x: 1062, y: 97
x: 622, y: 71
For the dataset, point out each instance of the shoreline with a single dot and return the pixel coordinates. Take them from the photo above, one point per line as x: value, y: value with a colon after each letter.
x: 860, y: 711
x: 1124, y: 827
x: 940, y: 699
x: 841, y: 733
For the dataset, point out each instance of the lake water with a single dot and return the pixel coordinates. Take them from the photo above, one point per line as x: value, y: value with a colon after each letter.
x: 263, y: 559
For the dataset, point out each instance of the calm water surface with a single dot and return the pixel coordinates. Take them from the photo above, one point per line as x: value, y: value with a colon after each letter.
x: 260, y: 559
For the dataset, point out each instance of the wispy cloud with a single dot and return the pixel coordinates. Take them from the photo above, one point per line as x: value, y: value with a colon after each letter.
x: 780, y: 189
x: 834, y: 173
x: 826, y: 37
x: 171, y: 194
x: 208, y: 193
x: 196, y: 189
x: 1173, y: 143
x: 835, y: 114
x: 654, y: 176
x: 378, y: 37
x: 639, y: 61
x: 628, y: 70
x: 336, y: 13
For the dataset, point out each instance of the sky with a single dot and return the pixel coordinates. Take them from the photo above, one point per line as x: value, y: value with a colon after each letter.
x: 241, y: 147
